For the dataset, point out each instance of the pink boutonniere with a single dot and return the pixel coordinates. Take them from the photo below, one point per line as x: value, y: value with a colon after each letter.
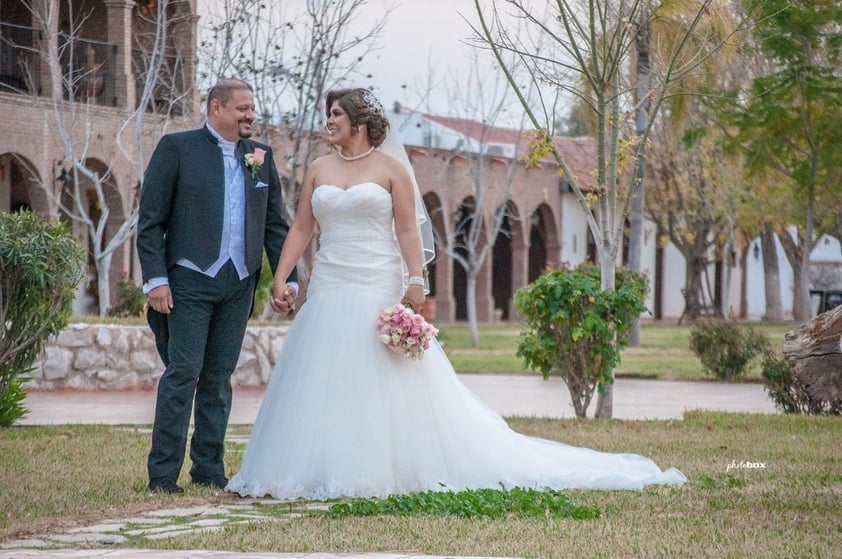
x: 254, y: 161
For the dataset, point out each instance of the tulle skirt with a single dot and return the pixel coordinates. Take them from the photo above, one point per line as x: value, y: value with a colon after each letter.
x: 344, y: 416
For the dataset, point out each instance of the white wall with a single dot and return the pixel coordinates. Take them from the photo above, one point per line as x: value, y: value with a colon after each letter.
x: 828, y: 250
x: 647, y: 262
x: 573, y: 231
x: 674, y: 280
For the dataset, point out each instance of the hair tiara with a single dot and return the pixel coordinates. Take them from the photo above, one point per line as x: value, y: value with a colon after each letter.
x: 372, y: 104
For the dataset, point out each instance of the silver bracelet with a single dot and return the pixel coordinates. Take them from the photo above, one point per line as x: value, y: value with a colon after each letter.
x: 415, y: 280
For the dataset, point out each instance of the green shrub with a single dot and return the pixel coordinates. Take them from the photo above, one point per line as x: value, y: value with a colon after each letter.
x: 131, y: 300
x: 40, y: 266
x: 11, y: 403
x: 263, y: 291
x: 788, y: 393
x: 725, y: 347
x: 576, y: 329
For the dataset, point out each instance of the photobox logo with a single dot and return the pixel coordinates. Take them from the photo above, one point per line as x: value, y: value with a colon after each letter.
x: 742, y: 465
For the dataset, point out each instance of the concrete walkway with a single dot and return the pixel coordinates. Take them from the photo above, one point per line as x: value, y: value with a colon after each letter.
x: 509, y: 395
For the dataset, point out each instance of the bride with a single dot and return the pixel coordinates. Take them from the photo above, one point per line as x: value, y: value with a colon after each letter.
x: 343, y: 416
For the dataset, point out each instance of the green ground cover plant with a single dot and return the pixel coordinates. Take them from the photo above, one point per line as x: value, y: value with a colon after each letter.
x: 479, y: 503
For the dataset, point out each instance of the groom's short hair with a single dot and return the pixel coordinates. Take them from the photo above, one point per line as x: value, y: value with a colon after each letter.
x: 224, y: 89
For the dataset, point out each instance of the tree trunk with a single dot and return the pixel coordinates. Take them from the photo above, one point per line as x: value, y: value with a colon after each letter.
x: 605, y: 400
x: 639, y: 190
x: 693, y: 289
x: 771, y: 275
x: 471, y: 306
x: 103, y: 281
x: 580, y: 404
x: 795, y: 247
x: 814, y: 355
x: 801, y: 275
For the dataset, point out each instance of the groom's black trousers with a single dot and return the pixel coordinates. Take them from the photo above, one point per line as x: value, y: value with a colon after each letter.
x: 206, y: 329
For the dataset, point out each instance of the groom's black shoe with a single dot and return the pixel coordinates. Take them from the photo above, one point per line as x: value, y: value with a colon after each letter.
x: 213, y: 483
x: 164, y: 486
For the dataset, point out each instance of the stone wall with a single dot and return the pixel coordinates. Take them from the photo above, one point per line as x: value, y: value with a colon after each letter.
x: 109, y: 357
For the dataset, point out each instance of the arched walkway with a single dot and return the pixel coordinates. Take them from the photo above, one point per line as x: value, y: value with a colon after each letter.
x: 83, y: 203
x: 543, y: 242
x: 507, y: 262
x: 20, y: 186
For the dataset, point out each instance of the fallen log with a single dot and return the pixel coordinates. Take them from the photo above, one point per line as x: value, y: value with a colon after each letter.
x: 814, y: 354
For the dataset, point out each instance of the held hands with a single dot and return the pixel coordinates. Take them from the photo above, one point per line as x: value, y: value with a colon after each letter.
x: 414, y: 296
x: 283, y: 298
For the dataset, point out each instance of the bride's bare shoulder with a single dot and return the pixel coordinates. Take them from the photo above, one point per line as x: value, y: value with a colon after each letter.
x: 321, y: 161
x: 394, y: 167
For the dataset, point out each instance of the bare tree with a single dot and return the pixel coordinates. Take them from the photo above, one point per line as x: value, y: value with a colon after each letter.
x: 87, y: 192
x: 292, y: 59
x: 691, y: 201
x: 478, y: 99
x: 582, y: 49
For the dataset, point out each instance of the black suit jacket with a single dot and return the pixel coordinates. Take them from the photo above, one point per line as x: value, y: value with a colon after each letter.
x: 182, y: 207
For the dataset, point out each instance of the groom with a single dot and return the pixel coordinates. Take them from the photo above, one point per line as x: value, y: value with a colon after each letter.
x: 211, y: 202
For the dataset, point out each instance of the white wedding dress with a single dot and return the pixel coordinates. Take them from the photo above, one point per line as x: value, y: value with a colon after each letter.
x: 344, y: 416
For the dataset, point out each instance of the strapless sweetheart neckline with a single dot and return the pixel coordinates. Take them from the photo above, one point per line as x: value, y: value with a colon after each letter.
x: 351, y: 187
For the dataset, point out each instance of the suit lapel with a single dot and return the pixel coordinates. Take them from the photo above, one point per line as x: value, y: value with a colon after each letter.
x: 244, y: 147
x: 215, y: 171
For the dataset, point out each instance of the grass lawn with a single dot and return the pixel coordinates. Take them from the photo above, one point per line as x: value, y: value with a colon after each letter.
x: 58, y: 477
x: 664, y: 351
x: 54, y: 478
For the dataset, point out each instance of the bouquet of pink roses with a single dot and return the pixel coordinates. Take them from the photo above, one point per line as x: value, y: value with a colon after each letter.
x: 404, y: 331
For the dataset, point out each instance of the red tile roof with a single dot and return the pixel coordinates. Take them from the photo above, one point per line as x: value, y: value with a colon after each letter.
x: 579, y: 152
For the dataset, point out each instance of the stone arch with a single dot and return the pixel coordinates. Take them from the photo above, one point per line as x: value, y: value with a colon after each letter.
x: 507, y: 242
x: 544, y: 249
x: 434, y: 208
x: 87, y: 295
x: 19, y: 186
x: 463, y: 221
x: 441, y: 268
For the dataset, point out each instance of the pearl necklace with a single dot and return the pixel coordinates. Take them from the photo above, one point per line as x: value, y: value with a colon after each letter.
x: 354, y: 157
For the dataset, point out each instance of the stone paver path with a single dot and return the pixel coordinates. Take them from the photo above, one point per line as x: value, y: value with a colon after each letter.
x: 100, y: 539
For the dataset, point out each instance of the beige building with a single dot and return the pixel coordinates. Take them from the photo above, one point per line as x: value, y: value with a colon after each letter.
x: 87, y: 106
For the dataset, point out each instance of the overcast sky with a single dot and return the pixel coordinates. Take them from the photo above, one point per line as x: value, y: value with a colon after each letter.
x: 420, y: 34
x: 420, y: 37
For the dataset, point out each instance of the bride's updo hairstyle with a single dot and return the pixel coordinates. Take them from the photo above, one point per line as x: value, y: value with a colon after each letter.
x: 362, y: 107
